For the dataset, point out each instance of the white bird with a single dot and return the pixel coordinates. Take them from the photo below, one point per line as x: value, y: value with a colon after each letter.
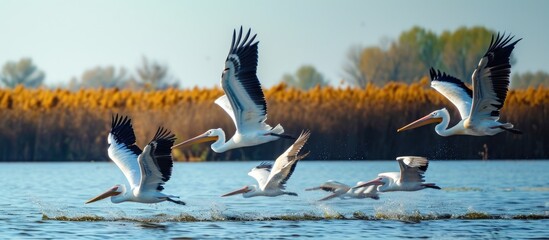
x: 243, y: 101
x: 480, y: 108
x: 146, y: 171
x: 272, y: 178
x: 410, y: 177
x: 344, y: 191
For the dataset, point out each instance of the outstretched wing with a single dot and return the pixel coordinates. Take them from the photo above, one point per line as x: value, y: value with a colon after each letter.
x: 412, y: 168
x: 261, y: 173
x: 122, y: 149
x: 454, y: 90
x: 241, y: 86
x: 156, y: 161
x: 491, y: 79
x: 285, y: 164
x: 332, y: 186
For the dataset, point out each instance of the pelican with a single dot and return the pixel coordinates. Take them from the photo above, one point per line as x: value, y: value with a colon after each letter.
x: 146, y: 171
x: 410, y: 177
x: 243, y: 101
x: 272, y: 178
x: 344, y: 191
x: 480, y: 108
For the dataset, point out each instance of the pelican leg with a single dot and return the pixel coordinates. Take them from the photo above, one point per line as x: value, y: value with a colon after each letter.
x: 291, y: 193
x: 175, y: 201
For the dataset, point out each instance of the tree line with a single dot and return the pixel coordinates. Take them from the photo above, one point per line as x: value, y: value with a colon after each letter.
x: 405, y: 59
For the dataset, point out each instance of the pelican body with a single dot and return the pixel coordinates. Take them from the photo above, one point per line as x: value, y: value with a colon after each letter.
x: 344, y: 191
x: 146, y: 171
x: 410, y: 177
x: 243, y: 101
x: 479, y: 108
x: 271, y: 179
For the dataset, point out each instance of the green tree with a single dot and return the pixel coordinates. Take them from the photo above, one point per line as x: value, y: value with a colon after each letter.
x: 106, y: 77
x: 463, y: 49
x: 530, y: 79
x: 410, y: 56
x: 306, y: 77
x: 23, y: 73
x: 352, y: 68
x: 153, y: 75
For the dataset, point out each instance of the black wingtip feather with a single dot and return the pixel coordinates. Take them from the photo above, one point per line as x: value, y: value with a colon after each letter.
x: 162, y: 143
x: 122, y: 131
x: 265, y: 165
x: 498, y: 54
x: 246, y: 66
x: 437, y: 75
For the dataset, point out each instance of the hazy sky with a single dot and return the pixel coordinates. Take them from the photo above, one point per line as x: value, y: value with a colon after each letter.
x: 66, y: 37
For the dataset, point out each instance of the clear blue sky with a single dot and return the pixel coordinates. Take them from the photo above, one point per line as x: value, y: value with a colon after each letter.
x: 66, y: 37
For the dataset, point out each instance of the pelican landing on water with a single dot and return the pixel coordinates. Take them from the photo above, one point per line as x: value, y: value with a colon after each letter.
x: 344, y: 191
x: 272, y: 178
x: 243, y: 101
x: 410, y: 177
x: 479, y: 108
x: 146, y: 170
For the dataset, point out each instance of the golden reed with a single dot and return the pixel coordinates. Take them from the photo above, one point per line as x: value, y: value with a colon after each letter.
x: 346, y: 123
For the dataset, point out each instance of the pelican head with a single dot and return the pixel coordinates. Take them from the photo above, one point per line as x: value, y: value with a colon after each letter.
x: 434, y: 117
x: 247, y: 191
x: 115, y: 193
x: 210, y: 135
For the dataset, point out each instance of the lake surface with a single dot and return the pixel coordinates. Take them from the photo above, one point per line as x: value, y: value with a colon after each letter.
x: 478, y: 200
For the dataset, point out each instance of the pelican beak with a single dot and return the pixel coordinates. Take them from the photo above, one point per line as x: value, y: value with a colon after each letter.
x: 245, y: 189
x: 421, y: 122
x: 106, y: 194
x: 198, y: 139
x: 376, y: 181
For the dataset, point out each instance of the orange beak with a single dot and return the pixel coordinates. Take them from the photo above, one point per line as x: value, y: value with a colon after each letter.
x: 198, y: 139
x: 245, y: 189
x: 421, y: 122
x: 106, y: 194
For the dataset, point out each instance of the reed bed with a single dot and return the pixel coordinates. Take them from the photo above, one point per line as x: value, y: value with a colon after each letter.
x: 346, y: 123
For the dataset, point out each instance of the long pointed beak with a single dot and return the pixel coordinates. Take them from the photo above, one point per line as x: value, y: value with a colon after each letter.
x: 242, y: 190
x: 376, y: 181
x: 420, y: 122
x: 106, y: 194
x: 198, y: 139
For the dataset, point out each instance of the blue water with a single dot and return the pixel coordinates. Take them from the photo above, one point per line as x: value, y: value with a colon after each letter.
x: 46, y: 200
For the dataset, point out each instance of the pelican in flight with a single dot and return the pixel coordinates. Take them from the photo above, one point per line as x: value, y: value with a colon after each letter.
x: 410, y: 177
x: 243, y: 101
x: 480, y: 108
x: 146, y: 170
x: 344, y: 191
x: 272, y: 178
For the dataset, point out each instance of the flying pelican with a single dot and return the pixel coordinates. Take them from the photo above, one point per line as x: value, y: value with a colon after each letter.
x: 243, y: 101
x: 344, y: 191
x: 146, y: 170
x: 480, y: 108
x: 271, y: 179
x: 410, y: 177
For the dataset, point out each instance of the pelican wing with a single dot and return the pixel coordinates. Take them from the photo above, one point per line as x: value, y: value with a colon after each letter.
x: 454, y: 90
x: 261, y: 173
x: 241, y: 86
x: 332, y: 186
x: 224, y: 103
x: 412, y: 168
x: 122, y: 150
x: 285, y: 164
x: 491, y: 79
x: 156, y: 161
